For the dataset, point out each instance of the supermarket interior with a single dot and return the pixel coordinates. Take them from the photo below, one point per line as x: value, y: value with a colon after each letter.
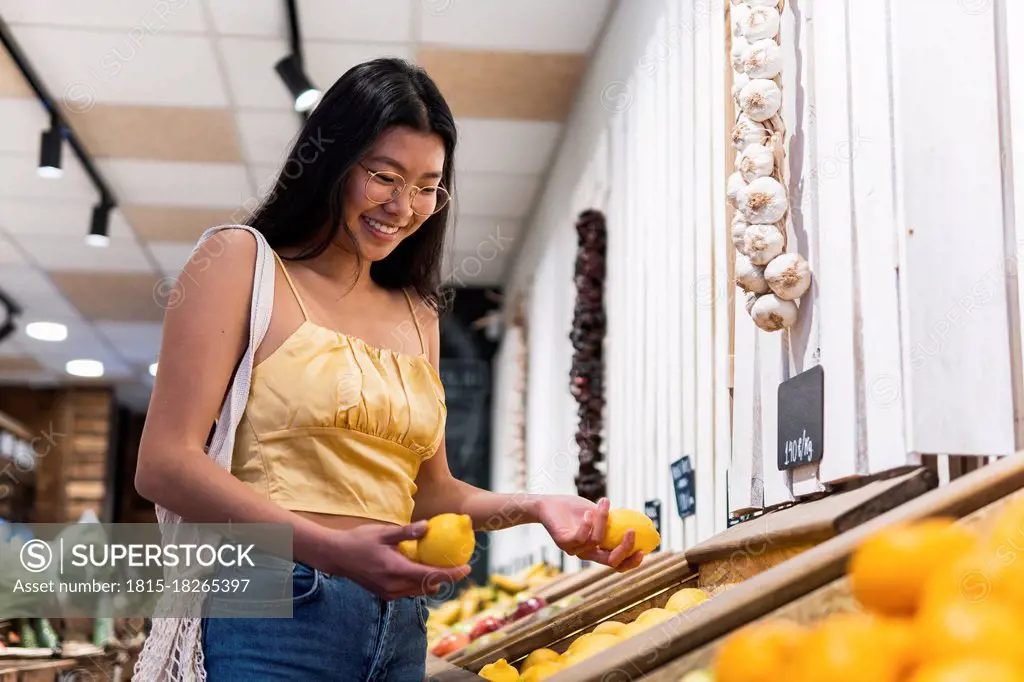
x: 726, y: 264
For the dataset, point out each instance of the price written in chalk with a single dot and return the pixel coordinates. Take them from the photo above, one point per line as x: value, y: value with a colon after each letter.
x: 798, y: 451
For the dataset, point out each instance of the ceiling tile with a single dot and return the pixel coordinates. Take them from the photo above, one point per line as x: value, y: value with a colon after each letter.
x: 70, y: 219
x: 136, y: 341
x: 535, y: 25
x: 258, y: 18
x: 327, y: 62
x: 142, y: 19
x: 9, y: 347
x: 9, y: 253
x: 114, y: 297
x: 484, y: 235
x: 356, y: 20
x: 176, y: 223
x: 26, y: 282
x: 18, y: 180
x: 17, y: 364
x: 12, y: 83
x: 171, y: 256
x: 493, y: 194
x: 54, y: 252
x: 83, y: 67
x: 113, y: 366
x: 176, y: 183
x: 267, y: 136
x: 507, y: 85
x: 23, y: 121
x: 496, y: 146
x: 158, y: 133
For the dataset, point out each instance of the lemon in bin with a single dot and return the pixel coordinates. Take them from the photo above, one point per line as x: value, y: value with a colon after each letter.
x: 539, y: 656
x: 686, y: 599
x: 541, y: 671
x: 609, y: 627
x: 646, y: 536
x: 499, y: 671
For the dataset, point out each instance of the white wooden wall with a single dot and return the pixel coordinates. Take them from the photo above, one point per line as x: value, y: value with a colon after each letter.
x: 906, y: 180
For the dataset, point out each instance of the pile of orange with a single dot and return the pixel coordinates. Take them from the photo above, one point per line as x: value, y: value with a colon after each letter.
x: 940, y: 602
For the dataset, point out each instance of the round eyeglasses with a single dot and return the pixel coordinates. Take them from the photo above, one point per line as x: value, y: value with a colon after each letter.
x: 385, y: 186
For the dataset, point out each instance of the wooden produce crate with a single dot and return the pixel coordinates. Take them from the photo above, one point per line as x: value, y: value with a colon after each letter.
x: 806, y: 588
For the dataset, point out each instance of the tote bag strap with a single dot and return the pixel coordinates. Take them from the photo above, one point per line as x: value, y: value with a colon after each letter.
x: 173, y: 650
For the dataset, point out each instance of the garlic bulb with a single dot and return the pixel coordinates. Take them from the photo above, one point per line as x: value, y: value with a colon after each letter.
x: 750, y: 277
x: 762, y: 22
x: 751, y: 300
x: 735, y: 185
x: 740, y: 15
x: 747, y: 132
x: 788, y: 275
x: 762, y: 201
x: 739, y: 53
x: 762, y: 243
x: 771, y: 313
x: 763, y: 59
x: 740, y: 81
x: 756, y: 161
x: 739, y: 231
x: 761, y: 99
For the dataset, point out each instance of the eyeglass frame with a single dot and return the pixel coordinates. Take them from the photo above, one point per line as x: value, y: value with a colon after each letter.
x: 397, y: 193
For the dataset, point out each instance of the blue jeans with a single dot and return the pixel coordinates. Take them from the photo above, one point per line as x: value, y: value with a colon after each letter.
x: 338, y: 631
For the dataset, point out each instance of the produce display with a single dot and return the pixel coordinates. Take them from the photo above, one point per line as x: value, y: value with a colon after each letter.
x: 772, y: 278
x: 478, y: 613
x: 543, y: 663
x: 937, y: 602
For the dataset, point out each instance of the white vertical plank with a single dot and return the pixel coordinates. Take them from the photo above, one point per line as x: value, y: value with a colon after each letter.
x: 675, y: 305
x: 704, y: 469
x: 614, y: 351
x: 1010, y: 69
x: 957, y: 379
x: 869, y: 153
x: 834, y: 276
x: 778, y: 488
x: 746, y: 482
x: 721, y: 287
x: 636, y: 291
x: 688, y: 214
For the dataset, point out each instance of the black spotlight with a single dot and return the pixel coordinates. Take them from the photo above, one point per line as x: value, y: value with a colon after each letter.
x: 100, y: 224
x: 49, y: 152
x: 298, y: 84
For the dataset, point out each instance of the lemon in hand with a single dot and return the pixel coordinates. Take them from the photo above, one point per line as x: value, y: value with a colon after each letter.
x: 448, y: 542
x: 646, y: 536
x: 409, y: 549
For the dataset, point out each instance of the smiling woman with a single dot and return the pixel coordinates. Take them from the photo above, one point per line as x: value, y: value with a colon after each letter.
x: 342, y: 434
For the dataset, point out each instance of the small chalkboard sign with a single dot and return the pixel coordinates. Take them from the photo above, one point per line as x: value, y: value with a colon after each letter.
x: 683, y: 483
x: 652, y: 508
x: 801, y: 419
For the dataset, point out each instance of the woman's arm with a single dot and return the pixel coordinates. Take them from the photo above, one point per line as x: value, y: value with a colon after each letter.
x: 575, y: 524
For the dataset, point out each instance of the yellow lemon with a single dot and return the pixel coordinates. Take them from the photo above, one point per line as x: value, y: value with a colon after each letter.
x: 499, y: 671
x: 652, y: 617
x: 408, y: 549
x: 449, y: 541
x: 541, y: 671
x: 646, y: 536
x: 539, y: 656
x: 592, y: 643
x: 609, y: 627
x: 685, y: 599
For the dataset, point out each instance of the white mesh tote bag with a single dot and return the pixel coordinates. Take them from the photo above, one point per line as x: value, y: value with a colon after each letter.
x: 173, y: 651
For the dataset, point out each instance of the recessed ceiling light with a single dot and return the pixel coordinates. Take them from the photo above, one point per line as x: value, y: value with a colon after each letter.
x: 152, y: 369
x: 47, y: 331
x: 85, y: 368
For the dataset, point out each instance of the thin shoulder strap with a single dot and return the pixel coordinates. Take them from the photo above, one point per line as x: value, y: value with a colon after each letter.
x: 291, y: 285
x: 415, y: 321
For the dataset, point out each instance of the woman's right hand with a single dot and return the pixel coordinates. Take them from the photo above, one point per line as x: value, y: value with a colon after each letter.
x: 369, y: 556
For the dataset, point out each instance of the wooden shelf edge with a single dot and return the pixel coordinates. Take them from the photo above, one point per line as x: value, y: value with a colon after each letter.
x: 9, y: 423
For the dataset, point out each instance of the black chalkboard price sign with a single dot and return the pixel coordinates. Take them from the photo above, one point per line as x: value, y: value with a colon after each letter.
x: 652, y: 508
x: 801, y: 419
x: 685, y: 489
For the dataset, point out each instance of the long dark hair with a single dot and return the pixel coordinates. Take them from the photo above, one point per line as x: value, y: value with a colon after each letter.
x: 304, y: 207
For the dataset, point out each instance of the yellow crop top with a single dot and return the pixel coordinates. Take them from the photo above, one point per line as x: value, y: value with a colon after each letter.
x: 336, y: 426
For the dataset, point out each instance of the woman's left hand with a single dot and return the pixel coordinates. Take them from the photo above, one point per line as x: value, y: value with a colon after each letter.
x: 577, y: 526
